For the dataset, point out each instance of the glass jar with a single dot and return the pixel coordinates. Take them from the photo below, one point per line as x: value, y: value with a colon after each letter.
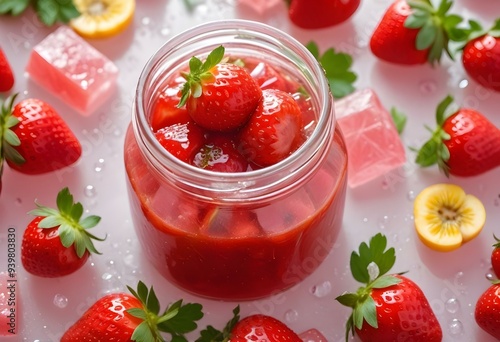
x: 246, y: 235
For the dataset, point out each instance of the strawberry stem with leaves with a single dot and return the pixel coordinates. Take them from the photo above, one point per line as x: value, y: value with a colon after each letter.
x: 368, y: 266
x: 337, y: 66
x: 177, y: 320
x: 199, y: 71
x: 211, y: 334
x: 436, y: 27
x: 73, y: 230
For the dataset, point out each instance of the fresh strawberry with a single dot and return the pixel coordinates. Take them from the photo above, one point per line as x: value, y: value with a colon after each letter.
x: 34, y: 139
x: 320, y: 13
x: 481, y: 55
x: 220, y: 154
x: 252, y: 328
x: 487, y: 312
x: 495, y: 257
x: 219, y: 96
x: 165, y: 111
x: 6, y: 75
x: 465, y: 143
x: 122, y: 317
x: 57, y: 242
x: 274, y: 130
x: 389, y: 307
x: 414, y: 32
x: 182, y: 140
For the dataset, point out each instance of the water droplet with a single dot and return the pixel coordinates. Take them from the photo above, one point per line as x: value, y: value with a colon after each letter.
x: 111, y: 262
x: 90, y: 191
x: 456, y: 327
x: 165, y: 31
x: 490, y: 276
x: 463, y: 84
x: 452, y: 305
x: 411, y: 195
x: 428, y: 87
x: 146, y: 21
x: 107, y: 276
x: 321, y: 290
x: 117, y: 132
x: 291, y: 316
x: 60, y: 301
x: 130, y: 261
x: 99, y: 165
x: 383, y: 222
x: 365, y: 219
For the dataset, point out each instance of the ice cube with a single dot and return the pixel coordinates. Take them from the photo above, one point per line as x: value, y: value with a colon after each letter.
x: 260, y: 6
x: 73, y: 70
x: 9, y: 313
x: 312, y: 335
x: 373, y: 143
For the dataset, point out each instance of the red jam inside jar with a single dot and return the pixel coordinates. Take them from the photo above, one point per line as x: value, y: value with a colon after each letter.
x: 240, y: 235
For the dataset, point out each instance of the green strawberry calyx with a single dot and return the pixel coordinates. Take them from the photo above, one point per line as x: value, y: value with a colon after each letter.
x: 199, y: 72
x: 434, y: 151
x: 369, y: 266
x: 8, y: 139
x: 177, y: 320
x: 436, y: 27
x: 497, y: 242
x: 211, y: 334
x: 72, y: 229
x: 476, y: 30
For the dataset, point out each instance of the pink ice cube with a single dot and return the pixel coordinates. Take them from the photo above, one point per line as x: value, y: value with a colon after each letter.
x: 9, y: 314
x: 70, y: 68
x: 312, y: 335
x: 373, y: 143
x: 260, y: 6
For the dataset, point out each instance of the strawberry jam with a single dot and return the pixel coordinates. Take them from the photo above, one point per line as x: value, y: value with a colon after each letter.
x: 236, y: 233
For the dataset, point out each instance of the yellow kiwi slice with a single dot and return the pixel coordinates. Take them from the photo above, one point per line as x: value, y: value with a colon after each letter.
x: 446, y: 217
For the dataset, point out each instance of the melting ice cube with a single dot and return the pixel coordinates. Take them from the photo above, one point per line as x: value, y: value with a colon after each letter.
x: 70, y: 68
x: 373, y: 143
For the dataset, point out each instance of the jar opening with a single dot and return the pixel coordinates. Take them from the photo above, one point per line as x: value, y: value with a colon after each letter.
x: 239, y: 37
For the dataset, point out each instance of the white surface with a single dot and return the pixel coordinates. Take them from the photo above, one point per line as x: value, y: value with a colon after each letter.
x: 49, y: 306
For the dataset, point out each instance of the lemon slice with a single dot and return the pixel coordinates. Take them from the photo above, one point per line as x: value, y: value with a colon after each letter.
x: 446, y: 217
x: 102, y: 18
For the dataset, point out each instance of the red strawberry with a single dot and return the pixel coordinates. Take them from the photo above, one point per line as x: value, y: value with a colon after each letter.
x: 389, y: 307
x: 252, y: 328
x: 495, y: 257
x: 35, y: 138
x: 321, y: 13
x: 487, y: 312
x: 57, y: 242
x: 219, y: 154
x: 274, y: 130
x: 219, y: 96
x: 165, y: 111
x: 413, y: 32
x: 182, y: 140
x: 122, y: 317
x: 465, y: 143
x: 481, y: 56
x: 6, y: 75
x: 266, y: 76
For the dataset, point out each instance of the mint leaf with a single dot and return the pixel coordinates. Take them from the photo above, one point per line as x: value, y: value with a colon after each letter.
x: 337, y: 66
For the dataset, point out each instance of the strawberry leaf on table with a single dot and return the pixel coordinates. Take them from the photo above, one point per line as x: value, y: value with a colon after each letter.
x: 48, y: 11
x: 337, y: 66
x: 399, y: 119
x: 73, y: 230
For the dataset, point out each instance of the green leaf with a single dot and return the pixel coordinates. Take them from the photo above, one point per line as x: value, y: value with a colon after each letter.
x: 64, y: 201
x: 210, y: 334
x: 11, y: 138
x: 348, y: 299
x: 67, y: 235
x: 51, y: 221
x: 47, y: 11
x: 385, y: 281
x: 442, y: 110
x: 185, y: 319
x: 337, y: 66
x: 137, y: 312
x: 13, y: 7
x: 415, y: 21
x: 153, y: 304
x: 399, y: 119
x: 142, y: 292
x: 195, y: 64
x: 427, y: 155
x: 213, y: 58
x: 369, y: 312
x: 427, y: 35
x: 90, y: 221
x: 143, y: 333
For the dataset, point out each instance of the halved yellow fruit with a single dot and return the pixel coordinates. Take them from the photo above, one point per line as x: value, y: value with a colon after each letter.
x: 446, y: 217
x: 102, y: 18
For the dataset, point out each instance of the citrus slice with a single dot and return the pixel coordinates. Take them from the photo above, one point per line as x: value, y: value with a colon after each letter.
x: 446, y: 217
x: 102, y: 18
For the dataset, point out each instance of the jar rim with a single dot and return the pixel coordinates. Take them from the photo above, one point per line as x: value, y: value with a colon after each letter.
x: 237, y: 180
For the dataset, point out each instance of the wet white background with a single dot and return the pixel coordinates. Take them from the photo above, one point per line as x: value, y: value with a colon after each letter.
x: 451, y: 281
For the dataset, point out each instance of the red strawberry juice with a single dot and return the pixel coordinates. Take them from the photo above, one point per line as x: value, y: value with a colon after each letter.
x: 246, y: 235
